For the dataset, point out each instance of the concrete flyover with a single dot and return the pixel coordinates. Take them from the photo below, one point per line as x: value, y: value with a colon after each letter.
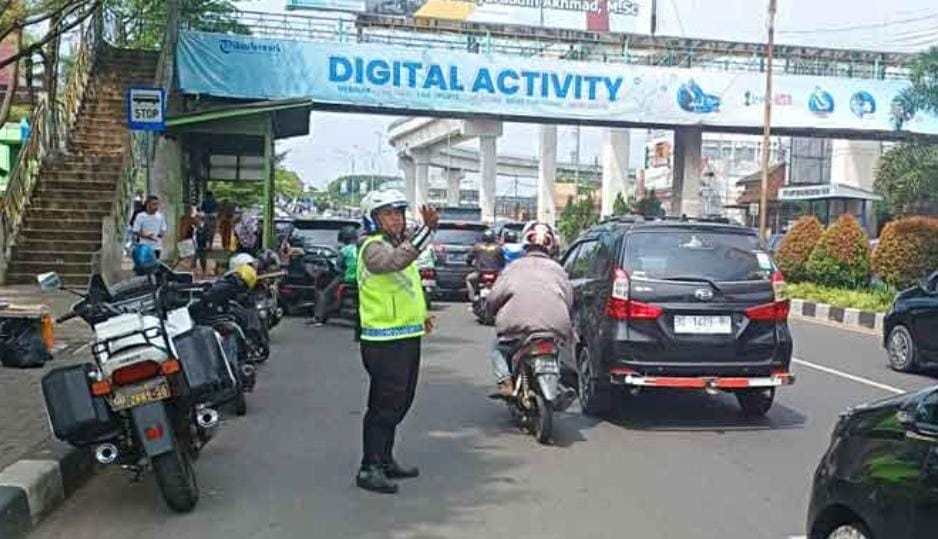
x: 425, y: 142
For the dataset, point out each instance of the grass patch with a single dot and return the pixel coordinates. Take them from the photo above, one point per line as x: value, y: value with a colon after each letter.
x: 877, y: 300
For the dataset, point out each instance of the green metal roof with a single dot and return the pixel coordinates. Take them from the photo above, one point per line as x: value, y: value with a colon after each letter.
x: 283, y: 112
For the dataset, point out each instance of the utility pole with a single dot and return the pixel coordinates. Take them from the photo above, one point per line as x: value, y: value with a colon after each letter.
x: 767, y: 127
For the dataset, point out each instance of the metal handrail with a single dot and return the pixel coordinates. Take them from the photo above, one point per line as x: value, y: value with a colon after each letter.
x: 78, y: 79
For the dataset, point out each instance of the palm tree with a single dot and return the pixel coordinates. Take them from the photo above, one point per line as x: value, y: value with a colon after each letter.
x: 922, y: 95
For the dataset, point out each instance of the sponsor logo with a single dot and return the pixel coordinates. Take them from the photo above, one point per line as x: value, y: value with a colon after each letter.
x: 231, y: 46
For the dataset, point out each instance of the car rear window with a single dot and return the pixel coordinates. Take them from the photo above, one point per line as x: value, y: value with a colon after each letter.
x: 714, y: 255
x: 320, y: 232
x: 450, y: 234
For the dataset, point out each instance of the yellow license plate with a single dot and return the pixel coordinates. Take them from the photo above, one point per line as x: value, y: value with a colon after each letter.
x: 145, y: 393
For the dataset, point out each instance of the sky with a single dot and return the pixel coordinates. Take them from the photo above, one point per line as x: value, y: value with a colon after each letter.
x: 337, y: 142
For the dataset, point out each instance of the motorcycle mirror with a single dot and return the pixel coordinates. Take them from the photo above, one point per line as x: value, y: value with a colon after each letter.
x: 49, y: 282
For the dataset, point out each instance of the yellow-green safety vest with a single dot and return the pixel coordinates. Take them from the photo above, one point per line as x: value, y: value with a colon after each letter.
x: 391, y: 305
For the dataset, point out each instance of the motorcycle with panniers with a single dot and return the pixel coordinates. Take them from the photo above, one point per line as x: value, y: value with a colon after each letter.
x: 150, y: 397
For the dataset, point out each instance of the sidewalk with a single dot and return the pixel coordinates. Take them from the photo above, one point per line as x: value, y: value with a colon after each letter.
x: 23, y: 421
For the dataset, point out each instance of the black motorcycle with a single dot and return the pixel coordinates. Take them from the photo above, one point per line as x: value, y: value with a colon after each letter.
x: 535, y: 368
x: 486, y: 282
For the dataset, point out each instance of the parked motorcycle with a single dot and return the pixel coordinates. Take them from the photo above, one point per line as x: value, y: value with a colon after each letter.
x: 308, y: 273
x: 267, y: 291
x: 152, y: 393
x: 486, y: 282
x: 535, y: 368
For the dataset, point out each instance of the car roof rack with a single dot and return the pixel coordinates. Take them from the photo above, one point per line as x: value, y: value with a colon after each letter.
x: 717, y: 219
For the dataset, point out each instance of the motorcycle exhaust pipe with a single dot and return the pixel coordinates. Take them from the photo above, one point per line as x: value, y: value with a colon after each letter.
x: 106, y: 453
x: 207, y: 418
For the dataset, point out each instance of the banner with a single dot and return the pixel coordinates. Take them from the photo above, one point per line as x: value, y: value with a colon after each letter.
x: 445, y: 81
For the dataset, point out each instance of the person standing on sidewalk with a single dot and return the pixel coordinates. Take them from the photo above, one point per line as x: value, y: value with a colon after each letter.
x: 393, y: 316
x: 150, y: 226
x: 226, y: 211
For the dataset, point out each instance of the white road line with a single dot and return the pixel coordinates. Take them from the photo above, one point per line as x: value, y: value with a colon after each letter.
x: 848, y: 376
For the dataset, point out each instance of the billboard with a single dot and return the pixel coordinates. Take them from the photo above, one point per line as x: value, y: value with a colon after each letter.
x: 373, y: 76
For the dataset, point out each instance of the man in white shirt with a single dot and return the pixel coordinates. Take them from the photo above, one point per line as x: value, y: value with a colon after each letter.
x: 150, y: 226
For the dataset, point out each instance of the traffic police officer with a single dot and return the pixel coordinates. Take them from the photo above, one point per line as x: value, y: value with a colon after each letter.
x: 393, y: 320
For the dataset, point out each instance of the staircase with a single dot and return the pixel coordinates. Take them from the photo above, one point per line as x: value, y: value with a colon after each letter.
x: 61, y: 228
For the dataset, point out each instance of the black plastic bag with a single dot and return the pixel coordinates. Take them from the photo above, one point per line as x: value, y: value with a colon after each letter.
x: 21, y: 346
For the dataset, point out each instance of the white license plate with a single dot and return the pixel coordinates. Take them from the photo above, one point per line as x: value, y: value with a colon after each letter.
x: 703, y: 325
x: 138, y: 395
x: 484, y: 292
x: 546, y: 365
x: 428, y: 283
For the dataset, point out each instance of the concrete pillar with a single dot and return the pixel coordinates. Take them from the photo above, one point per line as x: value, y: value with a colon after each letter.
x: 685, y: 185
x: 853, y: 162
x: 454, y: 178
x: 408, y: 169
x: 547, y: 174
x: 616, y: 146
x: 421, y: 178
x: 488, y: 170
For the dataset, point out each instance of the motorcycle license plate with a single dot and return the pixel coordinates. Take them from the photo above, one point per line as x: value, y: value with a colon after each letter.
x: 546, y: 365
x: 484, y: 292
x: 428, y: 283
x: 138, y: 395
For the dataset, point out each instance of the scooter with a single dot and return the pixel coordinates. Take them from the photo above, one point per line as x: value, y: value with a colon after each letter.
x: 486, y: 282
x: 535, y: 367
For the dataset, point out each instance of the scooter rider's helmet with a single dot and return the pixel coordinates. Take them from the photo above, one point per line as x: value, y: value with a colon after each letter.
x: 376, y: 200
x: 241, y: 259
x: 488, y: 236
x: 348, y: 234
x: 510, y: 236
x: 144, y: 259
x: 538, y: 235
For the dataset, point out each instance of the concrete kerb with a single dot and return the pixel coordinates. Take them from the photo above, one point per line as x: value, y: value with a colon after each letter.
x: 30, y: 489
x: 863, y: 320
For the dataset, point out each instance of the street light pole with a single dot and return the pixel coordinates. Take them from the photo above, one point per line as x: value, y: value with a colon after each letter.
x: 767, y: 121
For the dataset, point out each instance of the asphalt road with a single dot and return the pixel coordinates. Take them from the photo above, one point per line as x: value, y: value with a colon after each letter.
x: 672, y: 465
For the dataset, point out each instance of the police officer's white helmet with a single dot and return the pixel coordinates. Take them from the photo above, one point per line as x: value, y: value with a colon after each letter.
x: 375, y: 200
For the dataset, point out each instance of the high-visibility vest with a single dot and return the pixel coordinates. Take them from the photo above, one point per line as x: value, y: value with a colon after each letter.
x: 391, y: 305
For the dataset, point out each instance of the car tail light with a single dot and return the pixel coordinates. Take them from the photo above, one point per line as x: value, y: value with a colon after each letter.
x: 620, y: 307
x: 775, y: 311
x: 427, y: 273
x: 779, y: 286
x: 136, y: 373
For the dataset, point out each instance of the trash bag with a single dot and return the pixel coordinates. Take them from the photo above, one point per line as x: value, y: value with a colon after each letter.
x: 22, y: 346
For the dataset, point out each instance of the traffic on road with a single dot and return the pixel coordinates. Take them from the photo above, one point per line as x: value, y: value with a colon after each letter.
x: 633, y: 417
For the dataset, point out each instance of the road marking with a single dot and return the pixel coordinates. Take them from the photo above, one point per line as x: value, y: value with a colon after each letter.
x: 848, y: 376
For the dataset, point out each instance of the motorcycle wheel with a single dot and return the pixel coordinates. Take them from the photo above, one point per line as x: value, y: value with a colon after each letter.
x: 544, y: 421
x: 175, y: 478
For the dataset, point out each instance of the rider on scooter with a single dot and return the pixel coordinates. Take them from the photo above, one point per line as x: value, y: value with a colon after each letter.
x: 486, y: 256
x: 348, y: 274
x: 532, y: 295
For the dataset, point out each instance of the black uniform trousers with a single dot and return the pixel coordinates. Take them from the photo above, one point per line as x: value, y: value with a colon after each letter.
x: 393, y: 367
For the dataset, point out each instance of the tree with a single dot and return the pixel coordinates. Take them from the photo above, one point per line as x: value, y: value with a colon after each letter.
x: 796, y: 247
x: 648, y: 206
x: 620, y: 206
x: 907, y: 179
x: 841, y: 257
x: 142, y: 23
x: 579, y: 214
x: 922, y: 94
x: 287, y: 184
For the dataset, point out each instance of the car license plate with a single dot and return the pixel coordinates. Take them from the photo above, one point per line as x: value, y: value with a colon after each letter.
x: 456, y: 258
x: 546, y: 365
x: 703, y: 325
x: 428, y: 283
x: 138, y: 395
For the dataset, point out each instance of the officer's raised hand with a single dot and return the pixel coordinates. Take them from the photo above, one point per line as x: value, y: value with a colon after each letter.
x: 431, y: 217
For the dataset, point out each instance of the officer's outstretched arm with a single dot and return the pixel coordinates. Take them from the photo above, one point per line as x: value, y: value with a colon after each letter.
x: 382, y: 257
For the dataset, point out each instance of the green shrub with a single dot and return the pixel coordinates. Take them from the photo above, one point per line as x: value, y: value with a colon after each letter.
x: 841, y: 257
x: 796, y: 247
x: 866, y: 300
x: 907, y: 251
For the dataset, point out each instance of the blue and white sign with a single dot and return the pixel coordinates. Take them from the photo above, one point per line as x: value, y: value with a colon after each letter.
x: 444, y: 81
x: 146, y: 109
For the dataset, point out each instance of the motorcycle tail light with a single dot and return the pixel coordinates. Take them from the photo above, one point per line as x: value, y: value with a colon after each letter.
x: 154, y: 433
x: 488, y: 277
x: 136, y: 373
x: 427, y: 273
x: 545, y: 347
x: 170, y: 366
x: 100, y: 389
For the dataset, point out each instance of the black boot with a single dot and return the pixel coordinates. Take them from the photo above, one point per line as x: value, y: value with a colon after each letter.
x: 374, y: 479
x: 393, y: 470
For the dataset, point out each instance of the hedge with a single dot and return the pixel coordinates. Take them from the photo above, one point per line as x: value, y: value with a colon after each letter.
x: 841, y: 257
x: 865, y: 300
x: 796, y: 247
x: 907, y: 251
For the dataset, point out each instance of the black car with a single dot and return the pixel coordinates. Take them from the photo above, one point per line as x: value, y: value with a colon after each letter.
x: 316, y: 242
x: 452, y: 242
x: 677, y: 304
x: 910, y: 328
x: 879, y: 476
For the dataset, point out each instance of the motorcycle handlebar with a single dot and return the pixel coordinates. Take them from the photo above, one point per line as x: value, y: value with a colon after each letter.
x: 65, y: 318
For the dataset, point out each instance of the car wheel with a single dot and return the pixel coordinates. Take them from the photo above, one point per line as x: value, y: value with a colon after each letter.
x: 594, y: 397
x: 901, y: 350
x: 756, y: 402
x: 849, y: 531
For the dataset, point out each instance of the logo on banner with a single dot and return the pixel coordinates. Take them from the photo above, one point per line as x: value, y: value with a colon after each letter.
x: 863, y: 105
x: 229, y: 46
x: 692, y: 98
x: 821, y: 102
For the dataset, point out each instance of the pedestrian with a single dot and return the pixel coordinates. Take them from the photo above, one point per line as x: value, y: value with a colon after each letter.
x: 225, y: 222
x: 149, y: 227
x: 209, y: 209
x: 390, y: 338
x: 139, y: 206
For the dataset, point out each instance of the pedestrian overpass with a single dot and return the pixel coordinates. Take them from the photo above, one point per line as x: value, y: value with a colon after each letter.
x: 394, y: 65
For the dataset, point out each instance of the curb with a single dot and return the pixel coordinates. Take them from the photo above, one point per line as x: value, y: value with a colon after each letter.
x: 30, y: 489
x: 865, y: 320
